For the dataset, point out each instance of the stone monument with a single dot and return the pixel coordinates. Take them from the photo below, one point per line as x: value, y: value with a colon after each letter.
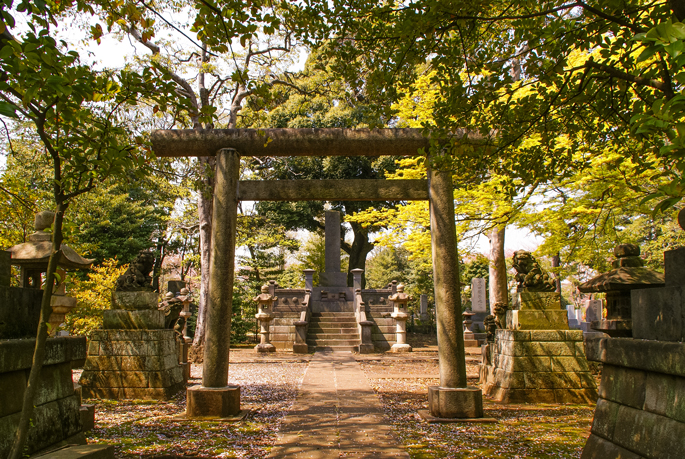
x: 332, y: 277
x: 423, y: 305
x: 479, y: 301
x: 641, y: 408
x: 536, y: 359
x: 135, y: 356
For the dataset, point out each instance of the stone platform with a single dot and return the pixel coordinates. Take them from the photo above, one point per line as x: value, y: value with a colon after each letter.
x: 132, y: 364
x: 538, y: 366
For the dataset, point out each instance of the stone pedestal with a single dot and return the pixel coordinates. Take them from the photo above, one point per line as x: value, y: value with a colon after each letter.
x: 213, y: 402
x: 538, y: 359
x: 444, y: 402
x: 134, y: 357
x: 538, y: 366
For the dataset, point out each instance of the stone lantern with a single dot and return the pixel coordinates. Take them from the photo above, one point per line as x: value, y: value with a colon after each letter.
x: 32, y: 257
x: 628, y: 274
x: 186, y: 297
x: 265, y: 305
x: 400, y: 300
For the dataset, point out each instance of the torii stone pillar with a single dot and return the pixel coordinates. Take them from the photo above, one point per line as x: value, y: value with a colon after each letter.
x: 452, y: 399
x: 215, y: 398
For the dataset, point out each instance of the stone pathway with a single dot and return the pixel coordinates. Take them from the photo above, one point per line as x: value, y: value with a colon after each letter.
x: 336, y: 414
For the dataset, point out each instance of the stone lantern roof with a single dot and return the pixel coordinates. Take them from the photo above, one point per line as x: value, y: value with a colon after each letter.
x: 628, y: 273
x: 35, y: 254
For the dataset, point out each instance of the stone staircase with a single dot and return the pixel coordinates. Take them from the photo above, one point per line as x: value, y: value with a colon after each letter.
x: 333, y: 331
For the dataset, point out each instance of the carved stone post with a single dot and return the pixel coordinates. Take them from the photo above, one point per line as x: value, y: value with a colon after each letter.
x: 300, y: 345
x: 357, y: 278
x: 309, y: 279
x: 400, y: 300
x: 265, y: 305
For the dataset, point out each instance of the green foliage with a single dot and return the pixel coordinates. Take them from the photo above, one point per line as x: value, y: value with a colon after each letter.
x: 93, y: 295
x: 386, y: 265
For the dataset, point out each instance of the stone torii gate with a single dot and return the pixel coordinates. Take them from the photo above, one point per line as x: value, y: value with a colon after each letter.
x: 214, y: 398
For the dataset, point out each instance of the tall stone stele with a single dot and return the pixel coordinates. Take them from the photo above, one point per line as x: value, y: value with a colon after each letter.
x: 536, y: 359
x: 134, y: 356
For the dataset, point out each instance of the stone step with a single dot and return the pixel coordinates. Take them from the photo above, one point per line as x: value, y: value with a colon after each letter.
x: 319, y: 336
x: 332, y: 342
x: 331, y: 320
x: 317, y: 329
x: 333, y: 314
x: 334, y: 348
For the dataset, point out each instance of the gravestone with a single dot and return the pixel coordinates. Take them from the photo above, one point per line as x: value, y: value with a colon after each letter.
x: 593, y: 310
x: 423, y: 307
x: 478, y: 299
x: 573, y: 322
x: 332, y: 277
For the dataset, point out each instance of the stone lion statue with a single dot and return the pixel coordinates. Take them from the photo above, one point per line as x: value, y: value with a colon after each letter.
x: 529, y: 274
x: 137, y: 277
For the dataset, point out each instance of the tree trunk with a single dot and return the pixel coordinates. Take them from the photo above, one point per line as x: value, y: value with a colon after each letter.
x: 499, y: 291
x: 358, y: 251
x: 204, y: 210
x: 41, y: 338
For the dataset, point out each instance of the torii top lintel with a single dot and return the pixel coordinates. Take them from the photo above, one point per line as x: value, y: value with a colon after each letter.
x: 290, y: 142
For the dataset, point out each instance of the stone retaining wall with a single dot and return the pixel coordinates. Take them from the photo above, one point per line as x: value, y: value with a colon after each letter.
x: 57, y: 416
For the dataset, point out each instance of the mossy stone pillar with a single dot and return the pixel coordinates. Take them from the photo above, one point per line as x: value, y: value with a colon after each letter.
x: 215, y: 398
x: 452, y: 399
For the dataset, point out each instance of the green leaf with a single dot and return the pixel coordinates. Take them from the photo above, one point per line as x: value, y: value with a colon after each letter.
x: 9, y: 110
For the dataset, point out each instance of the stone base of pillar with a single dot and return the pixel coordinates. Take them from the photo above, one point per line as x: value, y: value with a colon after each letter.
x: 444, y: 402
x: 213, y: 402
x: 400, y: 348
x: 366, y: 349
x: 299, y: 348
x: 265, y: 347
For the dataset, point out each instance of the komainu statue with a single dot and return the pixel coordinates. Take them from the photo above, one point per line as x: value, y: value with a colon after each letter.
x: 137, y: 277
x: 529, y: 274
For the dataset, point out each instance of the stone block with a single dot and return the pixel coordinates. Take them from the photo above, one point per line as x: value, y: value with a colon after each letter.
x: 455, y: 403
x: 537, y: 320
x: 524, y: 363
x: 533, y: 348
x: 508, y: 379
x: 213, y: 402
x: 549, y: 335
x: 604, y: 421
x: 17, y: 354
x: 5, y: 268
x: 132, y: 348
x: 585, y: 396
x: 539, y: 301
x: 332, y: 279
x: 657, y: 313
x: 552, y: 380
x: 623, y: 385
x: 132, y: 393
x: 658, y: 356
x: 87, y: 413
x: 80, y: 452
x: 674, y: 267
x: 19, y: 312
x: 649, y: 434
x: 134, y: 301
x: 575, y: 364
x: 502, y: 334
x: 599, y: 448
x: 131, y: 363
x: 114, y: 379
x: 166, y: 378
x: 123, y: 319
x: 665, y: 395
x: 55, y: 383
x: 13, y: 386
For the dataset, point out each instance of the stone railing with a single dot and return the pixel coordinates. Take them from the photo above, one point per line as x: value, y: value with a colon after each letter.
x: 302, y: 326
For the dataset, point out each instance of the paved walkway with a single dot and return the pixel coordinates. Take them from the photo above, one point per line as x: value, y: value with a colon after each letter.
x: 336, y: 414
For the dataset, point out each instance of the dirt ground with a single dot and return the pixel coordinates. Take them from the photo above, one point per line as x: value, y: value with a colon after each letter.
x: 269, y: 384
